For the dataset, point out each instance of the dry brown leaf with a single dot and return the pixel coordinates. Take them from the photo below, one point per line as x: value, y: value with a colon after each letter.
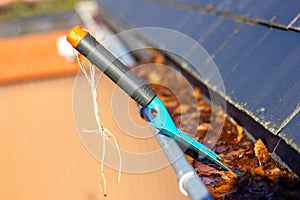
x: 274, y: 173
x: 240, y: 133
x: 157, y: 56
x: 261, y: 152
x: 203, y: 127
x: 228, y: 175
x: 258, y: 171
x: 154, y: 77
x: 171, y: 104
x: 197, y: 93
x: 183, y: 108
x: 224, y: 185
x: 190, y: 159
x: 205, y: 170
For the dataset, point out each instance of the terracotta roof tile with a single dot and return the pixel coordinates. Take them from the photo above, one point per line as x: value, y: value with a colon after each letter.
x: 33, y: 56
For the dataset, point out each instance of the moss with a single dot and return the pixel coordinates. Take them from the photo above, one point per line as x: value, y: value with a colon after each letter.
x: 25, y: 9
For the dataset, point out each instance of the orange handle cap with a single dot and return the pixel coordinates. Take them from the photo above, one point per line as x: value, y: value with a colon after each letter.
x: 76, y: 35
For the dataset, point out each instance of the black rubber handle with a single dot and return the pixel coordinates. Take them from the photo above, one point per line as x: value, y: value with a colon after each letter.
x: 136, y: 88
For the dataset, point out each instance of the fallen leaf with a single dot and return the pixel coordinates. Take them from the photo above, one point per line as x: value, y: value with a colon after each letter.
x: 197, y: 93
x: 240, y: 133
x: 203, y: 127
x: 261, y: 152
x: 183, y: 108
x: 258, y: 171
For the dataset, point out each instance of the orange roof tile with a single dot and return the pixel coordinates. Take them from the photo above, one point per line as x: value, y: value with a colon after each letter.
x: 33, y: 56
